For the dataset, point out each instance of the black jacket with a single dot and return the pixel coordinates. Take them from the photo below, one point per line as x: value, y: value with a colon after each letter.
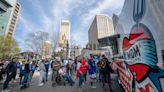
x: 27, y: 68
x: 11, y: 67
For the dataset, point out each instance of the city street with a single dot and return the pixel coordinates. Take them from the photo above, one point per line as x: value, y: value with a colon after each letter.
x: 73, y: 39
x: 48, y: 88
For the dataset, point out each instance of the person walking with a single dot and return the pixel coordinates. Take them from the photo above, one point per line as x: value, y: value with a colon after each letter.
x: 11, y: 70
x: 1, y: 69
x: 47, y: 68
x: 79, y: 74
x: 63, y: 72
x: 85, y: 67
x: 42, y: 71
x: 92, y: 71
x: 33, y: 67
x: 56, y: 65
x: 26, y: 72
x: 105, y: 71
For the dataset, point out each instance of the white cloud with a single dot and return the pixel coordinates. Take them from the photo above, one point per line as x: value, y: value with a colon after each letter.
x: 102, y: 6
x: 83, y: 10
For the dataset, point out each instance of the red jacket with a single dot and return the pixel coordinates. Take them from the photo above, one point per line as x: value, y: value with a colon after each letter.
x: 83, y: 68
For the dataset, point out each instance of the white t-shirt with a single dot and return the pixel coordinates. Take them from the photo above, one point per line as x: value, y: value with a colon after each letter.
x: 78, y: 65
x: 61, y: 71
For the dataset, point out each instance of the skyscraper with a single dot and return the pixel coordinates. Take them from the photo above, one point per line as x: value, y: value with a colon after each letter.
x: 64, y: 37
x: 101, y: 26
x: 8, y: 19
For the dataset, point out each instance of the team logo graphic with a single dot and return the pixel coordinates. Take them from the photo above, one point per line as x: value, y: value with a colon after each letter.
x: 140, y: 52
x: 102, y: 63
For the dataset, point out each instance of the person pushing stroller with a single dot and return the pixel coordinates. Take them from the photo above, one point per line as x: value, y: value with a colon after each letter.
x: 55, y: 66
x: 63, y: 73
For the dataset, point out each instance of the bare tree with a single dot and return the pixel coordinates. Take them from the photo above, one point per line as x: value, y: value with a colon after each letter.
x: 35, y: 41
x: 54, y: 40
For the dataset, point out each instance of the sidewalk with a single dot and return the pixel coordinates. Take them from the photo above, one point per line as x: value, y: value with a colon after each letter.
x: 48, y: 88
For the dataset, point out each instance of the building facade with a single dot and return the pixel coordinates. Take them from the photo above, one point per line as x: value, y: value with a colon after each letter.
x: 115, y: 20
x: 140, y: 46
x: 64, y: 38
x: 47, y: 50
x: 4, y: 5
x: 64, y: 35
x: 101, y: 26
x: 8, y: 19
x: 75, y: 51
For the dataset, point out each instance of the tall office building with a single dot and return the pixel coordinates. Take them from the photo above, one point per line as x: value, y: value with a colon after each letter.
x: 102, y: 26
x: 8, y: 19
x: 115, y: 19
x: 64, y: 37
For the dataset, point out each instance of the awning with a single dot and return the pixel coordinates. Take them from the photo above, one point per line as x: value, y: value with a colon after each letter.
x: 108, y: 41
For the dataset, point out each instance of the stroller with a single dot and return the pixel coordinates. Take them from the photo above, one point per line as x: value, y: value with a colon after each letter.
x: 58, y: 79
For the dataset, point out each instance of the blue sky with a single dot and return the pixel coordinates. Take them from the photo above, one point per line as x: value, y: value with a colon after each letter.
x: 46, y: 15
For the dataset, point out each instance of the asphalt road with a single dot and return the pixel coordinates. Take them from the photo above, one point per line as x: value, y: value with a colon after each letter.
x: 14, y: 87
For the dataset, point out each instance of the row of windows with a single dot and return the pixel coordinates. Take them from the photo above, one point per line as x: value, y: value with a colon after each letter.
x: 16, y: 10
x: 13, y: 23
x: 12, y: 26
x: 94, y: 46
x: 14, y: 19
x: 10, y: 34
x: 17, y: 7
x: 11, y: 30
x: 15, y: 16
x: 15, y: 13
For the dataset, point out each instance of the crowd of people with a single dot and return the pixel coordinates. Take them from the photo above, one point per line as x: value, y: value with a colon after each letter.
x: 9, y: 69
x: 98, y: 69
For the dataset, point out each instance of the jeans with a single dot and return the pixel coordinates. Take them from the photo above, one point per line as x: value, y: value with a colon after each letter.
x: 30, y: 77
x: 81, y: 79
x: 69, y: 79
x: 42, y: 76
x: 25, y: 81
x: 54, y: 75
x: 46, y: 76
x: 8, y: 79
x: 85, y: 77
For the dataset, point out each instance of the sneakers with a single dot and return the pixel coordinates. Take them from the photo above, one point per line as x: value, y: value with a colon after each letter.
x: 93, y: 87
x: 5, y: 90
x: 83, y: 84
x: 41, y: 84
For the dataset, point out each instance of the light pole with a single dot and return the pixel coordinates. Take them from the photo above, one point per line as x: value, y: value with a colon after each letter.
x: 75, y: 48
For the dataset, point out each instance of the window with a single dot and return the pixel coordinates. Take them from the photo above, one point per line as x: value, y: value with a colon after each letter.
x: 94, y: 47
x: 2, y: 27
x: 10, y: 34
x: 12, y: 23
x: 14, y: 19
x: 15, y: 16
x: 115, y: 47
x: 10, y: 30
